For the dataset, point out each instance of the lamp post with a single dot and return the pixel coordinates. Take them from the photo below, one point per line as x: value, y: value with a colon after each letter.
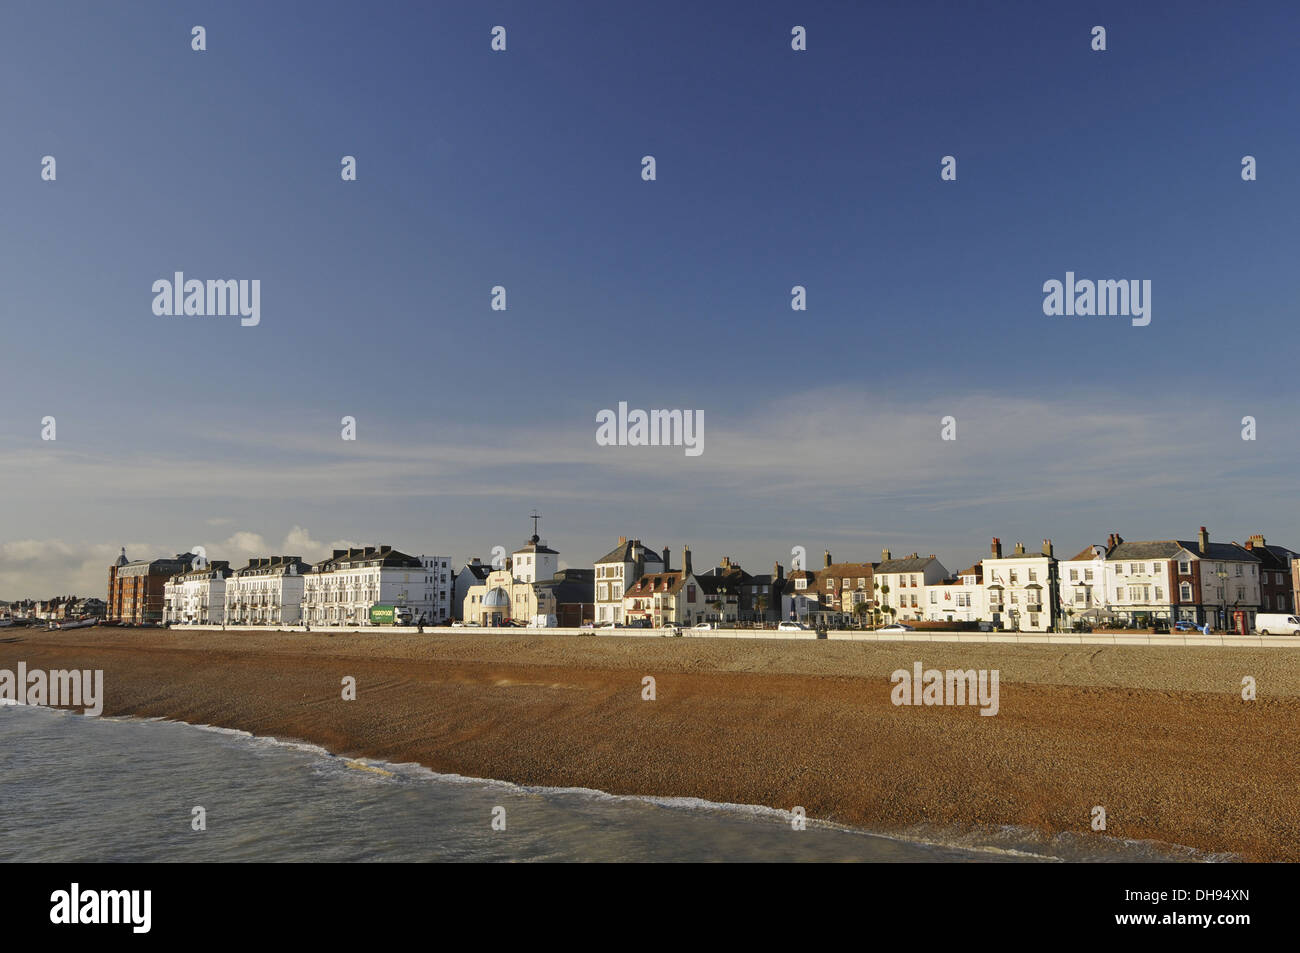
x: 1223, y: 592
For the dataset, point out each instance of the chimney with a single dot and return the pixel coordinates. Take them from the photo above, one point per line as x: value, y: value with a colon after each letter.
x: 1020, y: 549
x: 1047, y: 547
x: 828, y: 559
x: 622, y: 540
x: 686, y: 560
x: 1110, y: 542
x: 996, y: 548
x: 884, y: 556
x: 778, y: 571
x: 666, y: 569
x: 1118, y: 539
x: 1204, y: 537
x: 726, y: 562
x: 1257, y: 540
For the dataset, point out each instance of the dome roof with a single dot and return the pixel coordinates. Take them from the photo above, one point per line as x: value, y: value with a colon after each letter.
x: 496, y: 599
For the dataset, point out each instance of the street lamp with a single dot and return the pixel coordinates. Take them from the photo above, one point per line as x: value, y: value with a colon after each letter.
x: 1223, y: 592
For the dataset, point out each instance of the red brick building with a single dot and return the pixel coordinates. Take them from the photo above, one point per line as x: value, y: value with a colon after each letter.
x: 135, y: 588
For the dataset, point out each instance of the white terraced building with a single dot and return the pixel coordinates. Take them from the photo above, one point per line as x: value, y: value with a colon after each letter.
x: 1023, y: 588
x: 197, y: 597
x: 268, y: 591
x: 901, y: 584
x: 342, y: 589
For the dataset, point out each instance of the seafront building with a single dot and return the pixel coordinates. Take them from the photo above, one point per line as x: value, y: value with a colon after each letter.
x: 1275, y: 593
x: 526, y: 590
x: 1023, y: 588
x: 268, y: 591
x: 679, y: 598
x: 900, y: 585
x: 136, y: 587
x: 618, y: 569
x: 197, y: 596
x: 962, y: 598
x: 342, y: 589
x: 473, y: 573
x: 1139, y: 583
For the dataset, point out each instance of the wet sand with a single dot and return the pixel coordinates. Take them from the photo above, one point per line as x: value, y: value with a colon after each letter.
x: 1159, y: 737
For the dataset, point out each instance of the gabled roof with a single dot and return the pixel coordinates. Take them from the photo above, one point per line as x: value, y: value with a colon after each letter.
x: 622, y: 553
x: 655, y: 582
x: 1087, y: 554
x: 1221, y: 551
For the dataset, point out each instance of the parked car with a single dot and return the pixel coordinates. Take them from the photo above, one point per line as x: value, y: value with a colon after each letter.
x: 793, y: 627
x: 1185, y: 626
x: 609, y: 625
x: 705, y: 625
x: 1277, y: 623
x: 897, y: 627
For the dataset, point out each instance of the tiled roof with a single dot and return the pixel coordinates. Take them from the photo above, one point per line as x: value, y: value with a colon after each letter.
x: 622, y: 553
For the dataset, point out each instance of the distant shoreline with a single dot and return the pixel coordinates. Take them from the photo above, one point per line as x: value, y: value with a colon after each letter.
x: 1162, y: 740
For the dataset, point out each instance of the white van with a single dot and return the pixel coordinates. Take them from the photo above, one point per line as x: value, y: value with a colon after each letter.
x: 1277, y: 623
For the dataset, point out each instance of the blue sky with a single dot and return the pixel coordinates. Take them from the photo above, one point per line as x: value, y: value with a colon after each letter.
x: 522, y: 168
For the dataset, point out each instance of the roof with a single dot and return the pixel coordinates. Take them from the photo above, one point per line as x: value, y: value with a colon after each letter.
x: 1149, y: 549
x: 910, y: 564
x: 535, y: 545
x: 1087, y: 554
x: 273, y: 566
x: 479, y: 571
x: 367, y: 556
x: 572, y: 586
x: 712, y: 585
x: 622, y: 553
x: 655, y: 582
x: 1220, y: 551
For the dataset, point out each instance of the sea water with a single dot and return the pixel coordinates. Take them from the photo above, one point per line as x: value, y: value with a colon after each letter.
x: 83, y: 789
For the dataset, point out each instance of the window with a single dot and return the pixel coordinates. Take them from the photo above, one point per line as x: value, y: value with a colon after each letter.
x: 1074, y: 575
x: 1033, y: 575
x: 801, y: 583
x: 1087, y: 575
x: 862, y: 582
x: 1014, y: 579
x: 1238, y: 569
x: 1160, y: 594
x: 1119, y: 594
x: 1132, y: 569
x: 1266, y: 601
x: 934, y: 596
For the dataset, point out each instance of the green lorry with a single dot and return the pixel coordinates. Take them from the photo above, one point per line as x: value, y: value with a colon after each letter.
x: 388, y: 614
